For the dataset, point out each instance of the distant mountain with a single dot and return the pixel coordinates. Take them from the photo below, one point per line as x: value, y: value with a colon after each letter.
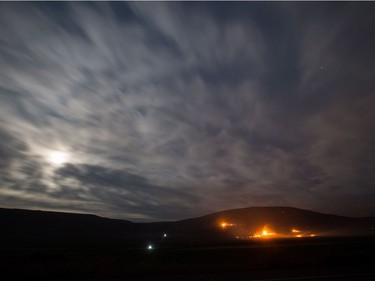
x: 240, y: 223
x: 29, y: 223
x: 281, y: 220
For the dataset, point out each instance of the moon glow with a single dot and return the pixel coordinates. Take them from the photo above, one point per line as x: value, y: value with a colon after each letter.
x: 58, y: 157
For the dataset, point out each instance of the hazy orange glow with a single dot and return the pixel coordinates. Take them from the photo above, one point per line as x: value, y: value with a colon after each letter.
x: 226, y: 224
x: 266, y: 232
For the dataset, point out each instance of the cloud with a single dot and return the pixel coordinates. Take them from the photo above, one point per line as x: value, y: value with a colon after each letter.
x: 342, y: 146
x: 130, y: 192
x: 169, y: 110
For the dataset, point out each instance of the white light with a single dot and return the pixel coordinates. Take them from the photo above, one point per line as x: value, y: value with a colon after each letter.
x: 149, y: 247
x: 165, y: 235
x: 57, y: 157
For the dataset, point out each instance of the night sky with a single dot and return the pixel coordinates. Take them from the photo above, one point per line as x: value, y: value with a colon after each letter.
x: 165, y: 111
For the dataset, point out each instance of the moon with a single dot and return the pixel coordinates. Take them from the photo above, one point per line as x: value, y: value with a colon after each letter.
x: 58, y: 157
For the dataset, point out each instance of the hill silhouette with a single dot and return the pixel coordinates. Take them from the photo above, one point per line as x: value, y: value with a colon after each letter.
x: 240, y: 222
x: 28, y: 223
x: 282, y: 220
x: 51, y: 245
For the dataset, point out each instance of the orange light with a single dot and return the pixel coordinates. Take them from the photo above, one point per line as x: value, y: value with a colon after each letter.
x: 226, y: 224
x: 264, y: 233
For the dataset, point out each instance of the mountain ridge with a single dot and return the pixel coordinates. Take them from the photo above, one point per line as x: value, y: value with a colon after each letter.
x: 242, y: 222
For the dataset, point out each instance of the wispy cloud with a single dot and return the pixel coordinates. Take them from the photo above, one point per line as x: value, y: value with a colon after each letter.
x: 171, y: 110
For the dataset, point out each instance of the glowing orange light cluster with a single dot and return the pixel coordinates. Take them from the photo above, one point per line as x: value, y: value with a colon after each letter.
x: 226, y: 224
x: 264, y: 233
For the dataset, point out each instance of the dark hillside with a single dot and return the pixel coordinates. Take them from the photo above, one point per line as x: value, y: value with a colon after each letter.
x: 54, y: 225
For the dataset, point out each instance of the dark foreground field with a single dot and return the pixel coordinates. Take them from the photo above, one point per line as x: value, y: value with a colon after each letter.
x: 298, y: 259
